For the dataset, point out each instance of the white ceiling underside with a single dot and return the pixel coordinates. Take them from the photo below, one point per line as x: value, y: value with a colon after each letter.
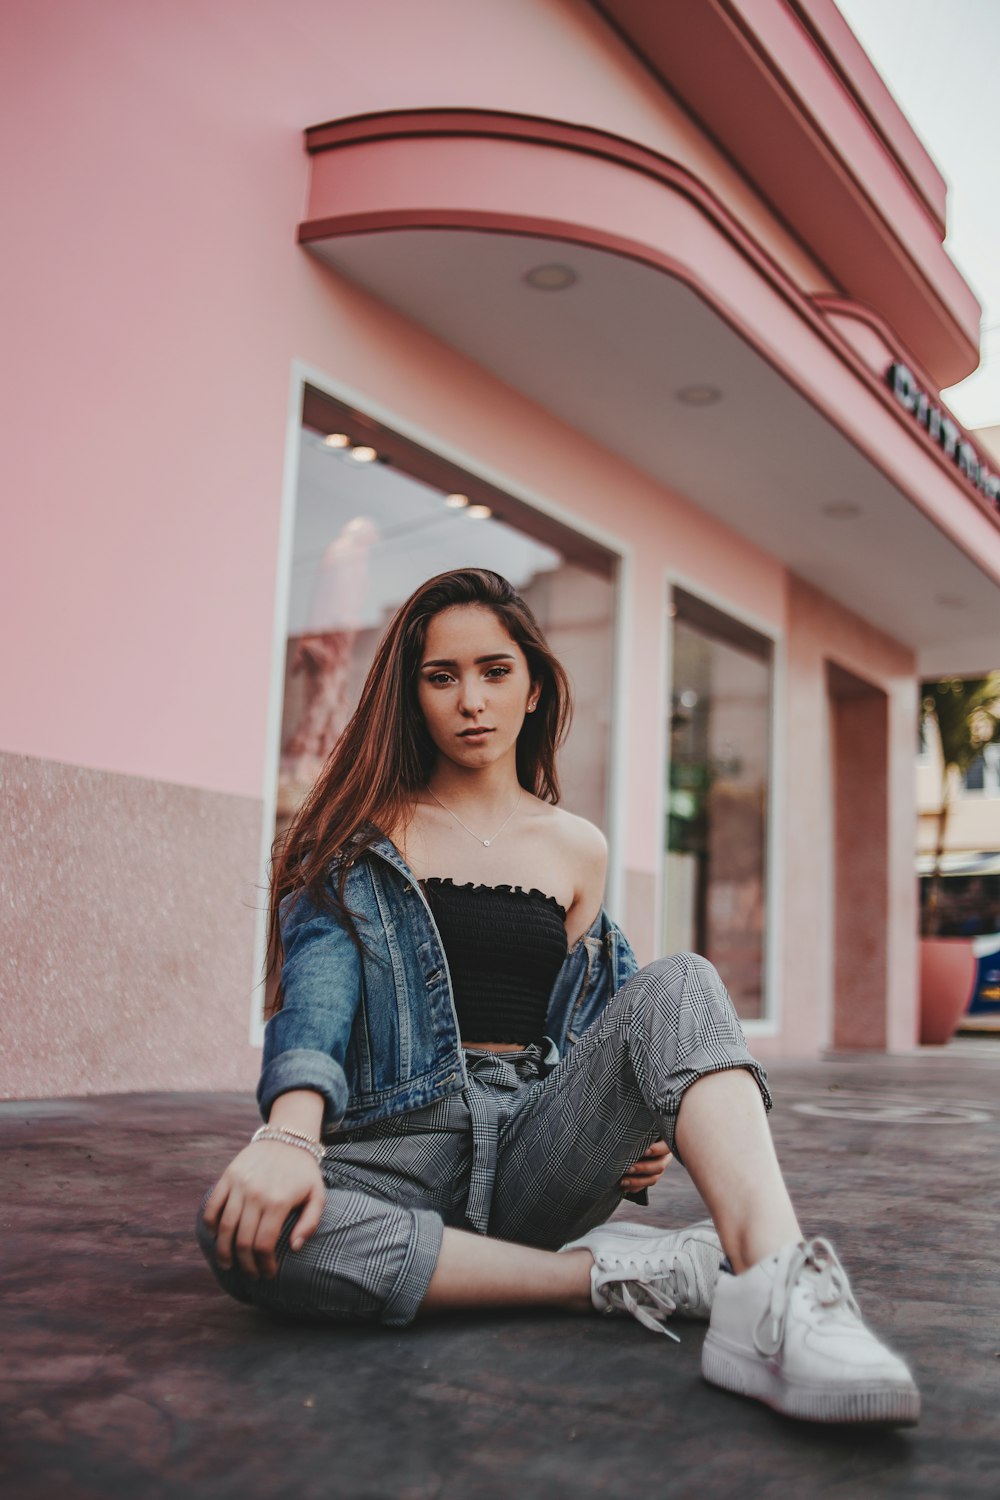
x: 607, y: 356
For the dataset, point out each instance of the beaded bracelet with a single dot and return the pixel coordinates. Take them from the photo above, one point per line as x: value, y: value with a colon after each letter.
x: 299, y: 1135
x: 290, y: 1138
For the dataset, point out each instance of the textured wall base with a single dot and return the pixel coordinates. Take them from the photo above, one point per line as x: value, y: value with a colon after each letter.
x: 126, y: 933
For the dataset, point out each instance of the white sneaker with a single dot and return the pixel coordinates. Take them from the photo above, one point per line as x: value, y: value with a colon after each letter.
x: 789, y: 1333
x: 652, y: 1275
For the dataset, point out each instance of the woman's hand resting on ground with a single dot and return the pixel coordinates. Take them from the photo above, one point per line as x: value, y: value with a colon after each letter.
x: 648, y: 1169
x: 252, y: 1200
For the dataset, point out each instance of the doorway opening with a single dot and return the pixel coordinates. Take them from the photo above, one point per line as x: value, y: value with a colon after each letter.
x: 859, y: 751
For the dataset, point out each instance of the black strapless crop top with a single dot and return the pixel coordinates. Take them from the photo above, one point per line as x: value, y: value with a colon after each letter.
x: 504, y: 947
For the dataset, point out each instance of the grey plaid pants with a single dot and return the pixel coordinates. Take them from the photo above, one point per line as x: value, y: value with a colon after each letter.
x: 517, y: 1154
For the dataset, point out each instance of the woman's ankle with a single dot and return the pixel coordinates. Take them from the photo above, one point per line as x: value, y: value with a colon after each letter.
x: 751, y: 1244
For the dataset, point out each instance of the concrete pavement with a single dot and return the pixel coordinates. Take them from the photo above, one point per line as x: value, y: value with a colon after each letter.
x: 125, y: 1372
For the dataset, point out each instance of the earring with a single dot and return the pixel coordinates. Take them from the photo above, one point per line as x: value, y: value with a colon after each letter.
x: 532, y: 707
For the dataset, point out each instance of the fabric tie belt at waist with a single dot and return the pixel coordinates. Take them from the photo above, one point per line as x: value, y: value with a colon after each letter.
x: 491, y: 1075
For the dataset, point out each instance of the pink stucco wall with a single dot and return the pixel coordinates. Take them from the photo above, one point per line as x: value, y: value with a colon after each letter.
x: 153, y: 302
x: 820, y: 631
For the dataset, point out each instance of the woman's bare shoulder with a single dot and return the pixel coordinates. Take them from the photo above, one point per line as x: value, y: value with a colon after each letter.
x: 582, y: 855
x: 577, y: 838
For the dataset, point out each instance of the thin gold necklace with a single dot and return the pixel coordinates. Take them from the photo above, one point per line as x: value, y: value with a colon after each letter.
x: 485, y: 842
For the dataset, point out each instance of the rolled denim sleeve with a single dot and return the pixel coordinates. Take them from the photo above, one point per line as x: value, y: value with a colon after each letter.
x: 305, y: 1043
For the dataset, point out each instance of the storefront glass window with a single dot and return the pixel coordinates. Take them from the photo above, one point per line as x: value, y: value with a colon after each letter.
x: 718, y: 795
x: 368, y: 532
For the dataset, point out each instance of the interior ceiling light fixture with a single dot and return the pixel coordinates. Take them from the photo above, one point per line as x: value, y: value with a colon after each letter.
x: 337, y: 440
x: 698, y: 395
x: 363, y: 454
x: 456, y: 502
x: 551, y: 278
x: 479, y: 512
x: 949, y: 601
x: 841, y: 510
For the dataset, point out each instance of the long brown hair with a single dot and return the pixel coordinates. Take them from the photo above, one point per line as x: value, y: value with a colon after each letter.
x: 385, y: 755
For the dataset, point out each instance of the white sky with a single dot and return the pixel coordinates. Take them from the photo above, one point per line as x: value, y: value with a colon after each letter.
x: 941, y: 60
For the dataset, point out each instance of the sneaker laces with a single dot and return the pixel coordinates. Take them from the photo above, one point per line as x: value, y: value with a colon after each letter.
x: 639, y: 1286
x: 817, y: 1264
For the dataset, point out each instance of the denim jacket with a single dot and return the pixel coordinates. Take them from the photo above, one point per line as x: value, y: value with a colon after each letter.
x: 375, y: 1032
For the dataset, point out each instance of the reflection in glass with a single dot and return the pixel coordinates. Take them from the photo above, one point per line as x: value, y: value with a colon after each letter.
x: 718, y: 797
x: 365, y: 536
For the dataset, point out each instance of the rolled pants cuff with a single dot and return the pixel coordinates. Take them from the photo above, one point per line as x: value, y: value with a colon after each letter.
x: 411, y: 1286
x: 670, y: 1115
x: 681, y: 1026
x: 369, y: 1260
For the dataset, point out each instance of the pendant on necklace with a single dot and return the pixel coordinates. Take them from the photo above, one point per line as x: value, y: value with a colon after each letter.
x: 485, y: 842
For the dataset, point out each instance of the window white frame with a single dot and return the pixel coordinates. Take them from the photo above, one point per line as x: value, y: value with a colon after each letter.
x: 770, y: 1023
x: 303, y: 374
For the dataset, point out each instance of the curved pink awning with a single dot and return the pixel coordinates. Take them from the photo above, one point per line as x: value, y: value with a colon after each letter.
x: 483, y: 173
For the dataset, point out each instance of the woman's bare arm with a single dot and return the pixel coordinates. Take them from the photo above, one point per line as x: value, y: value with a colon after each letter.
x: 587, y: 854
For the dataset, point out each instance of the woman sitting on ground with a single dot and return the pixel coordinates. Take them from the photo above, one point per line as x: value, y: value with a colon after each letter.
x: 466, y: 1071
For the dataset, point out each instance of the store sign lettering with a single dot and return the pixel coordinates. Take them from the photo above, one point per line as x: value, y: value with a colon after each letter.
x: 943, y: 431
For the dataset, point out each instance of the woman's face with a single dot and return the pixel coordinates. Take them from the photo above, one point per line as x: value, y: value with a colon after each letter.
x: 474, y: 686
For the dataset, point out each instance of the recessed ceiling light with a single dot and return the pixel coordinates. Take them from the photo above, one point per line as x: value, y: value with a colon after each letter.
x: 456, y: 502
x: 550, y: 278
x: 363, y: 454
x: 698, y: 395
x: 337, y: 440
x: 841, y: 510
x: 949, y: 601
x: 479, y: 512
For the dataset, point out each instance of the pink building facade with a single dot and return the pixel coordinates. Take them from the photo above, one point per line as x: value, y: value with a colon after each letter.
x: 664, y: 293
